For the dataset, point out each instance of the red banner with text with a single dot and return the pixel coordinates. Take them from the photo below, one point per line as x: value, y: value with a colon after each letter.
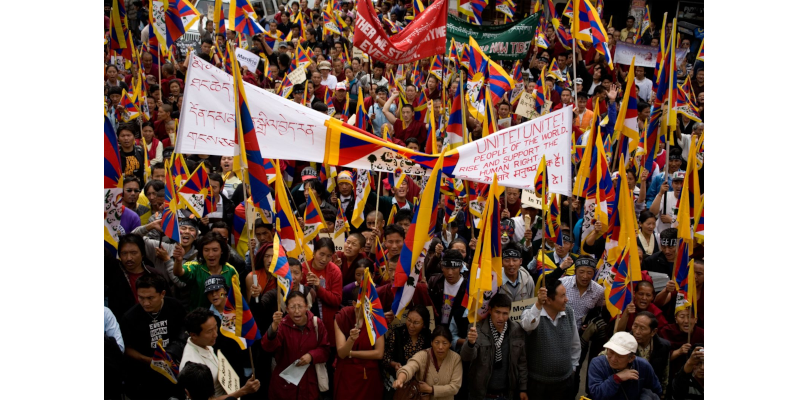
x: 424, y: 37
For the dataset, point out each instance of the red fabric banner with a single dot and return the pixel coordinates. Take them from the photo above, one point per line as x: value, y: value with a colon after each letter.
x: 424, y: 37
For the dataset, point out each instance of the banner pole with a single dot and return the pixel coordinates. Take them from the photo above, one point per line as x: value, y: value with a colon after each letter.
x: 252, y: 364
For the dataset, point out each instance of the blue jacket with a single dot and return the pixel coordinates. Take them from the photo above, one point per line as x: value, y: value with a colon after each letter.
x: 602, y: 385
x: 654, y: 187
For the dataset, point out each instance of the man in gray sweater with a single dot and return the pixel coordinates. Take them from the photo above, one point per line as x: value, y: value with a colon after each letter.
x: 552, y: 343
x: 496, y: 350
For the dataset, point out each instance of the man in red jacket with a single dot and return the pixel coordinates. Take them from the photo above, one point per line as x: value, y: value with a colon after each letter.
x: 404, y: 127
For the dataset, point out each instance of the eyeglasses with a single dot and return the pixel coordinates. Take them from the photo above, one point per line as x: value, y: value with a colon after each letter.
x: 132, y: 190
x: 295, y: 308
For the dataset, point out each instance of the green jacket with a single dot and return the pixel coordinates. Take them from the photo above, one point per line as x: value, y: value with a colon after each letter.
x: 195, y: 275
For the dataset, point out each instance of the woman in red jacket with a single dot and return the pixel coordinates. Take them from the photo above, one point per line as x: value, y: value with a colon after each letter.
x: 357, y: 375
x: 325, y: 278
x: 292, y: 338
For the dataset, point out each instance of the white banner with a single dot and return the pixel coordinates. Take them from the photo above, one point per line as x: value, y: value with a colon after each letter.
x: 514, y: 154
x: 285, y: 129
x: 645, y: 55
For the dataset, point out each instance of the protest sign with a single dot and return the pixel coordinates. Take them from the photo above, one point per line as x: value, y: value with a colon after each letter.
x: 645, y: 55
x: 297, y: 76
x: 529, y: 198
x: 499, y: 42
x: 525, y: 108
x: 285, y: 129
x: 226, y: 375
x: 247, y: 59
x: 422, y: 38
x: 338, y: 242
x: 514, y: 154
x: 518, y: 307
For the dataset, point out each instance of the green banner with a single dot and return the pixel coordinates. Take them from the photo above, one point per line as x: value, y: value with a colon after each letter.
x: 499, y: 42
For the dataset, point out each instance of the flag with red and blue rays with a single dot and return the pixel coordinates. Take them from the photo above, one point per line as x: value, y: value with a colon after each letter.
x: 112, y: 168
x: 381, y: 256
x: 456, y: 122
x: 237, y: 319
x: 540, y: 181
x: 684, y: 277
x: 541, y: 93
x: 568, y: 12
x: 422, y: 106
x: 219, y: 19
x: 131, y: 111
x: 437, y: 67
x: 270, y: 169
x: 169, y: 216
x: 662, y: 87
x: 423, y: 222
x: 551, y: 12
x: 499, y: 82
x: 516, y: 72
x: 586, y: 178
x: 700, y: 225
x: 118, y: 25
x: 178, y: 169
x: 197, y: 187
x: 370, y: 305
x: 362, y: 118
x: 397, y: 178
x: 701, y: 54
x: 554, y: 71
x: 605, y: 186
x: 477, y: 61
x: 564, y: 37
x: 627, y: 118
x: 618, y: 295
x: 279, y: 267
x: 250, y: 150
x: 589, y: 27
x: 240, y: 18
x: 178, y: 14
x: 477, y: 10
x: 651, y: 137
x: 552, y: 227
x: 430, y: 143
x: 162, y: 363
x: 312, y: 217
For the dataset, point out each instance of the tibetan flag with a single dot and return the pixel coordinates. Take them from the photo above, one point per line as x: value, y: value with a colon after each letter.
x: 363, y: 189
x: 312, y: 218
x: 118, y: 25
x: 162, y: 363
x: 341, y: 225
x: 237, y: 320
x: 279, y: 267
x: 554, y: 71
x: 195, y: 194
x: 241, y: 18
x: 508, y: 8
x: 249, y: 150
x: 131, y: 110
x: 456, y: 123
x: 178, y: 169
x: 390, y: 218
x: 478, y: 65
x: 684, y: 276
x: 477, y: 10
x: 329, y: 101
x: 542, y: 93
x: 651, y: 138
x: 112, y: 169
x: 605, y: 187
x: 490, y: 122
x: 488, y: 257
x: 568, y: 12
x: 437, y: 68
x: 417, y: 238
x: 552, y: 226
x: 689, y: 203
x: 623, y: 227
x: 618, y: 295
x: 362, y: 118
x: 422, y: 106
x: 586, y: 178
x: 700, y: 226
x: 539, y: 37
x: 551, y: 12
x: 270, y: 169
x: 646, y: 22
x: 330, y: 24
x: 540, y: 182
x: 685, y: 103
x: 430, y: 143
x: 564, y: 37
x: 381, y: 257
x: 627, y: 121
x: 588, y: 27
x: 465, y: 7
x: 499, y: 82
x: 701, y: 53
x: 516, y: 73
x: 219, y: 19
x: 286, y: 224
x: 169, y: 216
x: 396, y: 178
x: 370, y: 305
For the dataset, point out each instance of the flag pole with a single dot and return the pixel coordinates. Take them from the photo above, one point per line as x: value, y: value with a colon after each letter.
x: 671, y: 50
x: 252, y: 364
x: 475, y: 320
x: 377, y: 197
x: 575, y: 96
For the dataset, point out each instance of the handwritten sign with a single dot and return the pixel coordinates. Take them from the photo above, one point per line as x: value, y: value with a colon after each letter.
x: 529, y: 198
x: 226, y: 375
x: 645, y: 55
x: 358, y: 53
x: 514, y: 154
x: 298, y: 76
x: 285, y: 129
x: 247, y: 59
x: 210, y: 13
x: 518, y: 307
x: 525, y: 108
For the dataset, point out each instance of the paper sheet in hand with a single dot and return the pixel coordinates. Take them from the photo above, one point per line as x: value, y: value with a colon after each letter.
x: 293, y: 374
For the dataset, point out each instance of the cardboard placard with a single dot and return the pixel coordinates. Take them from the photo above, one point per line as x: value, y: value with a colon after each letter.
x: 247, y: 59
x: 525, y: 108
x: 358, y: 53
x: 518, y: 307
x: 210, y: 15
x: 338, y: 242
x: 297, y: 76
x: 226, y: 375
x: 529, y: 198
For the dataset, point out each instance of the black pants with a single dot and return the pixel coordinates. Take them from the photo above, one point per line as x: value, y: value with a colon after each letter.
x: 550, y: 391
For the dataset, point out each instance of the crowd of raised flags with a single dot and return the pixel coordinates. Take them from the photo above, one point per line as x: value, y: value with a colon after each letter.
x: 603, y: 156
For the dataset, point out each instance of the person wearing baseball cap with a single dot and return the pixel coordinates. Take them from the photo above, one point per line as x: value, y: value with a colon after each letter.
x: 517, y: 282
x: 668, y: 218
x: 559, y: 257
x: 340, y: 99
x: 620, y: 374
x: 673, y: 166
x: 327, y: 79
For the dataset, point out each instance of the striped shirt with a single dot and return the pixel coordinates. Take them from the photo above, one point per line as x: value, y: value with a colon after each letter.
x: 593, y: 296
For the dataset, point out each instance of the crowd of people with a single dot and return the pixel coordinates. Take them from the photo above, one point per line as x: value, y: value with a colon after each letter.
x: 174, y: 292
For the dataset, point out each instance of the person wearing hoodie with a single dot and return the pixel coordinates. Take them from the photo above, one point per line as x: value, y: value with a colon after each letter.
x: 517, y: 283
x: 297, y: 337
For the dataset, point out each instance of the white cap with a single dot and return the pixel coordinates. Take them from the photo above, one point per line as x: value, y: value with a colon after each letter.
x: 341, y: 86
x: 622, y: 343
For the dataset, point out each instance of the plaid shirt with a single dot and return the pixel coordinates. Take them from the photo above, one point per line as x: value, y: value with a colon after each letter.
x: 593, y: 296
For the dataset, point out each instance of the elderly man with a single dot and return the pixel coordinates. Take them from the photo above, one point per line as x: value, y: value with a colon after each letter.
x: 620, y: 374
x: 652, y: 347
x: 688, y: 383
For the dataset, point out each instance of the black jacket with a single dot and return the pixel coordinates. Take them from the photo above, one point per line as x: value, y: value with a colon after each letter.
x: 120, y: 293
x: 657, y: 262
x: 659, y: 358
x: 436, y: 290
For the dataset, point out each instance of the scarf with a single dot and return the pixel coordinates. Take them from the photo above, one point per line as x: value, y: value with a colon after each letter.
x: 498, y: 341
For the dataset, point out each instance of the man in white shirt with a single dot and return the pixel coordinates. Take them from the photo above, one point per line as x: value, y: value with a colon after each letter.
x: 202, y: 328
x: 327, y: 79
x: 645, y: 85
x: 668, y: 219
